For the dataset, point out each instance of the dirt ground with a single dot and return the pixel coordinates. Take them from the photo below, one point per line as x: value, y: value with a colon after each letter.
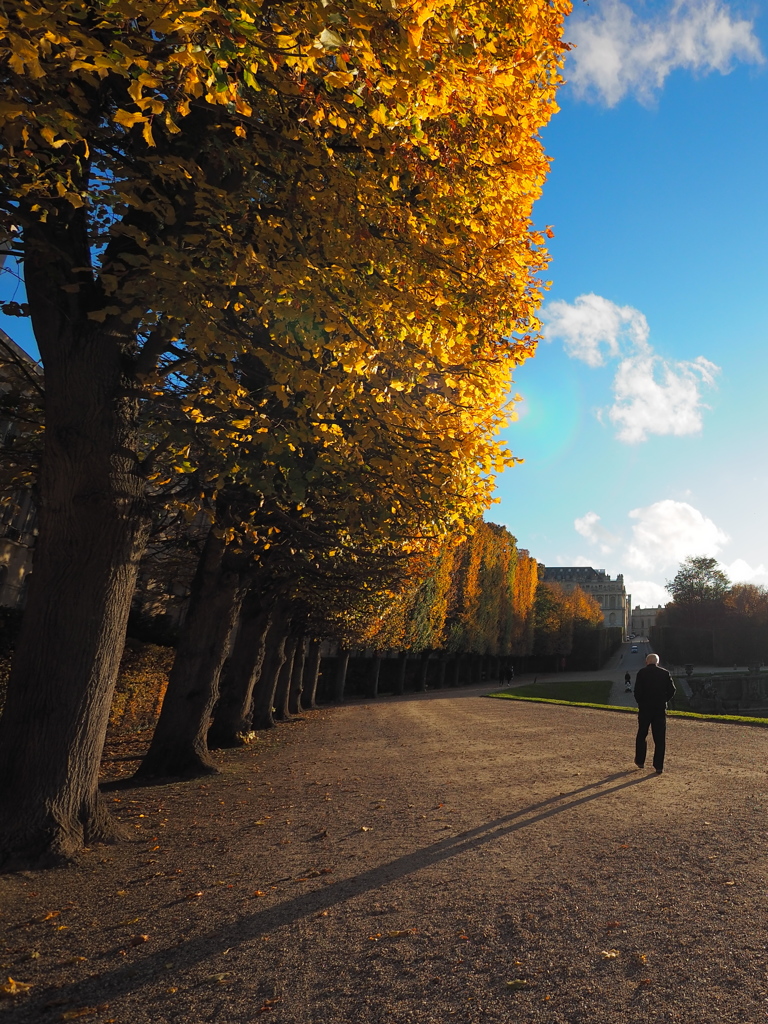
x: 439, y: 857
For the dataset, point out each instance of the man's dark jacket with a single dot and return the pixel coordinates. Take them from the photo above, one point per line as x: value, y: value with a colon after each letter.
x: 653, y: 688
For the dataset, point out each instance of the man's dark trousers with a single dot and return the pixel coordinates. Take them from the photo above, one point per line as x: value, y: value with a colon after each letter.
x: 656, y: 720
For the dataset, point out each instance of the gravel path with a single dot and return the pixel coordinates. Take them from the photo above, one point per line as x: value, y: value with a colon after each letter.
x: 444, y: 857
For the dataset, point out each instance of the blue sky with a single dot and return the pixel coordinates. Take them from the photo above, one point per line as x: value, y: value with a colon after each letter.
x: 644, y: 423
x: 644, y: 419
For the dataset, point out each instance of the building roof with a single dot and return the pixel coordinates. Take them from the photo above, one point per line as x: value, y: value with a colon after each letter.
x: 575, y: 574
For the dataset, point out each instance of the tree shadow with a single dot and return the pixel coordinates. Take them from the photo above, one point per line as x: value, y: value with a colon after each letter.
x: 124, y: 979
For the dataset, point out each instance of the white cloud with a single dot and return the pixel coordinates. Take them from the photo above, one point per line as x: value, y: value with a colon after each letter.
x: 592, y: 322
x: 618, y: 53
x: 740, y: 571
x: 589, y: 527
x: 668, y: 531
x: 652, y: 395
x: 646, y: 593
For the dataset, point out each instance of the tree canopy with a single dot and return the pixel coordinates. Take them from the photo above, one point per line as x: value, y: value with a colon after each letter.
x: 699, y: 579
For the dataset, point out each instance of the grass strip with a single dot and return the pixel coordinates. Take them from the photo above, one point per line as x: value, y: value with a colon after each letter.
x: 733, y: 719
x: 583, y: 691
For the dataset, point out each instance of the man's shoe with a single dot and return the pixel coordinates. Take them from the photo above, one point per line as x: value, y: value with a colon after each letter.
x: 640, y: 764
x: 659, y: 771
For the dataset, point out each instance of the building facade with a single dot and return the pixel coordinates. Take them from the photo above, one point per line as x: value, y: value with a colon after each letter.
x: 615, y: 603
x: 643, y: 620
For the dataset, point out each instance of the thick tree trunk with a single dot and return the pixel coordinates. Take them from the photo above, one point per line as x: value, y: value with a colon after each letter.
x: 93, y: 529
x: 311, y: 675
x: 375, y: 673
x: 282, y: 692
x: 232, y: 716
x: 179, y: 746
x: 297, y: 678
x: 340, y: 681
x: 274, y: 656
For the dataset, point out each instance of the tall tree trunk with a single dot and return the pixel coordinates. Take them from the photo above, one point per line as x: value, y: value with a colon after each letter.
x: 311, y: 674
x: 441, y: 672
x: 375, y: 673
x: 423, y: 672
x: 274, y: 656
x: 282, y: 692
x: 297, y: 678
x: 402, y: 669
x: 93, y: 529
x: 232, y: 716
x: 340, y: 681
x: 458, y: 662
x: 179, y: 746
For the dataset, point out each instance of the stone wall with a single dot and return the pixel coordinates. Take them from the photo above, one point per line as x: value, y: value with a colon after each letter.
x: 732, y: 693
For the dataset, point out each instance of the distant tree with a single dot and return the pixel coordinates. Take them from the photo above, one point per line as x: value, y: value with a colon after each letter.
x: 699, y: 579
x: 558, y: 615
x: 748, y: 601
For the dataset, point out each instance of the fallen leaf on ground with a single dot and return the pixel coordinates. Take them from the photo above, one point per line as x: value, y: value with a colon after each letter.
x: 366, y: 828
x: 609, y: 954
x: 219, y: 979
x: 517, y: 983
x: 268, y: 1005
x: 12, y: 988
x: 136, y: 940
x: 82, y: 1011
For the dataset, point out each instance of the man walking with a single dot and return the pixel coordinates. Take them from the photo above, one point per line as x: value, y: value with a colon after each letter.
x: 653, y: 689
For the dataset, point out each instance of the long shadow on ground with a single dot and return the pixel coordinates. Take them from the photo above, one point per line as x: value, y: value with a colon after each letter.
x: 125, y: 979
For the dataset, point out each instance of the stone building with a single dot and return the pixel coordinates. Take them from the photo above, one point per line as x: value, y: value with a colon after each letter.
x: 20, y: 378
x: 643, y: 620
x: 611, y: 595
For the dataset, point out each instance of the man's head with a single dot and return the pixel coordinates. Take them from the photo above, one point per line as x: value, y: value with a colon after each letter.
x: 651, y: 659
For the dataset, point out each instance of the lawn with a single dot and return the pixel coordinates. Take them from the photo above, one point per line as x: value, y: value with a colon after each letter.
x: 588, y: 691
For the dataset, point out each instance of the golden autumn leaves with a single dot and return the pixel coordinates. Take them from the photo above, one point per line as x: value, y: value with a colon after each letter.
x: 341, y: 190
x: 281, y: 265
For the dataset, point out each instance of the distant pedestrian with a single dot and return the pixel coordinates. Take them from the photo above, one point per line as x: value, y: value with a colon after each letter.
x: 627, y: 683
x: 653, y: 690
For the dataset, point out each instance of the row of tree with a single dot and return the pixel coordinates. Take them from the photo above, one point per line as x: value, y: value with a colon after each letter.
x: 710, y: 620
x: 477, y: 608
x: 279, y: 263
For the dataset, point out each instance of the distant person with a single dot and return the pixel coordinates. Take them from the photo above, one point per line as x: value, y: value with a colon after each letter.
x: 653, y: 690
x: 627, y: 683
